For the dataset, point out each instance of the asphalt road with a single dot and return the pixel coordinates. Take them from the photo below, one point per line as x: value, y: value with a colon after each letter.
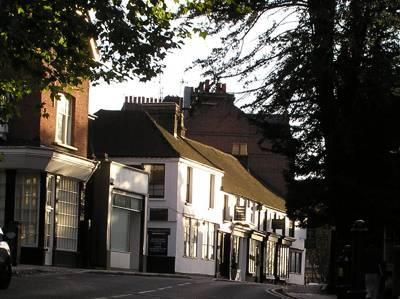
x: 105, y: 286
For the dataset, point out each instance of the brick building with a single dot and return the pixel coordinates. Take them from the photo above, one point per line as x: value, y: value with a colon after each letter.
x: 212, y: 118
x: 42, y: 175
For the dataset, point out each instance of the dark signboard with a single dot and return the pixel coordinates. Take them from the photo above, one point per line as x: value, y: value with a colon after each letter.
x: 158, y: 241
x: 278, y: 223
x: 240, y: 213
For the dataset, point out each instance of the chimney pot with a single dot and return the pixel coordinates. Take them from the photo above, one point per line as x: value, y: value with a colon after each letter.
x: 126, y: 99
x: 223, y: 87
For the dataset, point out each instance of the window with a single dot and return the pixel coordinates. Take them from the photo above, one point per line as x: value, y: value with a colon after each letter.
x: 252, y: 255
x: 189, y: 184
x: 212, y: 191
x: 208, y: 241
x: 239, y: 149
x: 190, y: 237
x: 156, y: 180
x: 295, y: 261
x: 270, y: 258
x: 235, y: 251
x: 67, y: 208
x: 64, y: 120
x: 253, y: 212
x: 2, y: 197
x: 123, y: 205
x: 27, y: 207
x: 226, y: 208
x: 291, y: 228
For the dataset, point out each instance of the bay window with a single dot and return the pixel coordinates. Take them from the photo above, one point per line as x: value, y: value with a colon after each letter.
x: 208, y: 241
x: 67, y: 208
x: 26, y: 210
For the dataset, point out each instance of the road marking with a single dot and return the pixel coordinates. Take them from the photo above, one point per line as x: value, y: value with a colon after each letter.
x: 164, y: 288
x: 149, y: 291
x: 184, y: 284
x: 120, y: 296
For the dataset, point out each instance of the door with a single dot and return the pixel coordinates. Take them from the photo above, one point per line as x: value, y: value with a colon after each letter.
x: 49, y: 220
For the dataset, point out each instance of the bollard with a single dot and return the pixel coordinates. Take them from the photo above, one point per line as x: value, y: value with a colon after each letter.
x: 357, y: 290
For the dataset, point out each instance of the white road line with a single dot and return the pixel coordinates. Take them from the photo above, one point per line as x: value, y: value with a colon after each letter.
x: 144, y: 292
x: 121, y: 296
x: 164, y: 288
x: 184, y: 284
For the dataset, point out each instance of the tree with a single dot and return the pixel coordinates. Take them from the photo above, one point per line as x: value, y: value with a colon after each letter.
x: 333, y: 67
x: 46, y: 44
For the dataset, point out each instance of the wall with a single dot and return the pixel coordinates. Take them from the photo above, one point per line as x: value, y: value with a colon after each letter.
x: 220, y: 124
x: 198, y: 209
x: 79, y: 120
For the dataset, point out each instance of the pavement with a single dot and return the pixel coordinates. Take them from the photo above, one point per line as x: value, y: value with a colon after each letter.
x: 305, y: 292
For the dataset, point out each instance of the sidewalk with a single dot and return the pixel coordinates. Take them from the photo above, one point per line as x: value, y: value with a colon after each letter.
x: 306, y: 292
x: 22, y: 270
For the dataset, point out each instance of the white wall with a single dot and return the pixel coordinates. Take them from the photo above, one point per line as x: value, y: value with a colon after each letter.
x: 198, y: 209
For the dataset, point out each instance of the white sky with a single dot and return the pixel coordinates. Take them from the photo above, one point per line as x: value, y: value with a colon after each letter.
x: 171, y: 82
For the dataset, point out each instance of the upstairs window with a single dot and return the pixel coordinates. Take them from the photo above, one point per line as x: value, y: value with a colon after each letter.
x: 189, y: 184
x: 239, y: 149
x: 156, y: 180
x: 212, y: 191
x: 64, y: 120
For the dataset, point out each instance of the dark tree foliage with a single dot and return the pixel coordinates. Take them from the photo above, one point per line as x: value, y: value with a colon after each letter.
x: 45, y: 44
x: 333, y: 66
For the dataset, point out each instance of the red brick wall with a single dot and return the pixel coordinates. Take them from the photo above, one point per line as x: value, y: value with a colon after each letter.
x: 79, y: 121
x: 24, y: 130
x: 32, y: 129
x: 223, y: 124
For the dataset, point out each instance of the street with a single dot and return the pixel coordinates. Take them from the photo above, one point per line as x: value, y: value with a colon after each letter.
x: 106, y: 286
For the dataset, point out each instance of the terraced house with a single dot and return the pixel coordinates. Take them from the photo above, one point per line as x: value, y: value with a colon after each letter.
x: 206, y: 213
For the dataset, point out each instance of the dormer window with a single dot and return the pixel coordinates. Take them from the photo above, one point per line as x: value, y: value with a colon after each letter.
x: 64, y: 120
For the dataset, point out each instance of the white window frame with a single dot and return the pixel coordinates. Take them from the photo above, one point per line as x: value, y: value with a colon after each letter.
x: 74, y: 224
x: 189, y: 185
x: 208, y: 248
x: 190, y: 238
x: 64, y: 119
x: 252, y: 256
x: 212, y: 192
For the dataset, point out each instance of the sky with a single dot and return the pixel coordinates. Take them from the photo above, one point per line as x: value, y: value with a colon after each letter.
x: 171, y: 82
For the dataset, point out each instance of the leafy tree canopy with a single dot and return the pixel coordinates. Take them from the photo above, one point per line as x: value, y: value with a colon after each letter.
x: 333, y: 66
x: 45, y: 44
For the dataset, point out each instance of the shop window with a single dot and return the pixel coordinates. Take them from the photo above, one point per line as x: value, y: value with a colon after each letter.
x: 190, y: 237
x: 67, y: 208
x: 2, y: 197
x: 252, y: 256
x: 156, y: 180
x: 235, y: 251
x: 27, y: 207
x: 208, y: 241
x: 123, y: 205
x: 270, y: 258
x: 295, y: 261
x: 64, y: 120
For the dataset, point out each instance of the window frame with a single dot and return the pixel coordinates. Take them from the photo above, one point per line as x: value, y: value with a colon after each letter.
x: 190, y: 239
x: 67, y: 181
x: 208, y: 244
x: 23, y: 176
x: 295, y: 261
x: 66, y: 120
x: 189, y: 185
x: 211, y: 202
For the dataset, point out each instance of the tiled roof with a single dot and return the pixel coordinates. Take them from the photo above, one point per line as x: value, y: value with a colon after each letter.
x: 237, y: 180
x: 135, y: 134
